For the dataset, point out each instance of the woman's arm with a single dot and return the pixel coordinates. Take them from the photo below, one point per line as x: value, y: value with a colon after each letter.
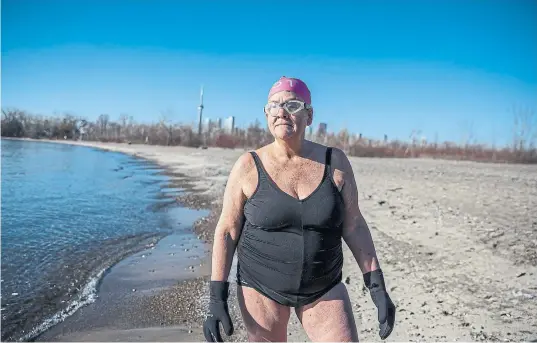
x: 355, y: 230
x: 229, y: 226
x: 358, y: 238
x: 226, y: 236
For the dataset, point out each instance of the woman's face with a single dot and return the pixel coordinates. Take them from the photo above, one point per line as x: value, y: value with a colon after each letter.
x: 282, y: 124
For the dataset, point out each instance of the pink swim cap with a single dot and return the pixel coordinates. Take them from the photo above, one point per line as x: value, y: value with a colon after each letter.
x: 294, y: 85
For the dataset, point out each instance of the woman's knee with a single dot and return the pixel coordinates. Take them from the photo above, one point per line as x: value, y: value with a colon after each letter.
x: 264, y: 318
x: 330, y: 317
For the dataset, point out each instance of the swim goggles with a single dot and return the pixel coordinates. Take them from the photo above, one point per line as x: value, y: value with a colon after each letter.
x: 291, y: 106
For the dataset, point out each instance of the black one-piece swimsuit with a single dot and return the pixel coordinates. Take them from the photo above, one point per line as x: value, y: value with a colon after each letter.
x: 290, y: 250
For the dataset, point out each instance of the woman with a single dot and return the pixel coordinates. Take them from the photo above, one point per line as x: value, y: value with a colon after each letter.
x: 287, y: 207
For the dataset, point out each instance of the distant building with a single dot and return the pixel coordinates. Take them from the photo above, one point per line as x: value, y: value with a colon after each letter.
x: 321, y: 131
x: 229, y: 125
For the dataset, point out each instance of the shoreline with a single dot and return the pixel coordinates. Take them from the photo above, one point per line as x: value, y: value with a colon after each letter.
x: 190, y: 279
x: 459, y: 259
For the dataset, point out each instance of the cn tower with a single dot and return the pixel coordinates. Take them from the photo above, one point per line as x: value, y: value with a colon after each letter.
x: 200, y: 112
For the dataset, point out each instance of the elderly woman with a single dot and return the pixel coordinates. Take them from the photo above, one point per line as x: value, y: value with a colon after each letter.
x: 287, y: 208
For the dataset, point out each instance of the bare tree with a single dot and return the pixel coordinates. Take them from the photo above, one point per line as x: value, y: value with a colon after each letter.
x: 166, y: 123
x: 19, y: 123
x: 413, y: 137
x: 525, y: 128
x: 102, y: 121
x: 468, y: 133
x: 344, y: 137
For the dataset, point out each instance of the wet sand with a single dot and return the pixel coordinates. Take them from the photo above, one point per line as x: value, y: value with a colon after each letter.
x: 457, y: 242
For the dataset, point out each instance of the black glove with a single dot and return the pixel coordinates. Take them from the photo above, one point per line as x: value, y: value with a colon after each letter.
x: 218, y: 312
x: 374, y: 281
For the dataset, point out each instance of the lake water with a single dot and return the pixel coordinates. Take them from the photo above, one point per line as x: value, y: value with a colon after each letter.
x: 68, y: 214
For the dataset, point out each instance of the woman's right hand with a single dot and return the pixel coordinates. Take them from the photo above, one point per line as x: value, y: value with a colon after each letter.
x: 218, y: 313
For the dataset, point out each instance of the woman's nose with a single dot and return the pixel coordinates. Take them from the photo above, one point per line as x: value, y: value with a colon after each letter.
x: 282, y: 113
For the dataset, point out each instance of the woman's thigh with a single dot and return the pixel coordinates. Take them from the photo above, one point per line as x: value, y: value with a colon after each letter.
x: 330, y: 318
x: 265, y: 319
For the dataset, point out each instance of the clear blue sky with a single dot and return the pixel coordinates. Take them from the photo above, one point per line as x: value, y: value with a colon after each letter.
x: 374, y: 67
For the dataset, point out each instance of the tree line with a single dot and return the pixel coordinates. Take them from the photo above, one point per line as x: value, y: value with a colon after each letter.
x: 19, y: 123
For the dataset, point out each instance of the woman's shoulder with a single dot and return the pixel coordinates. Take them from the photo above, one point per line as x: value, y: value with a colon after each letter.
x: 245, y: 161
x: 242, y: 170
x: 340, y: 162
x: 335, y: 151
x: 338, y: 158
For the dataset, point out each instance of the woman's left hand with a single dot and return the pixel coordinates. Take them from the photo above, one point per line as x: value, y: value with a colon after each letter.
x: 374, y: 281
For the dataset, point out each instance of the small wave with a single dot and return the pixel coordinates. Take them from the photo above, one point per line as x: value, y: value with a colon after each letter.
x: 86, y: 297
x: 87, y: 293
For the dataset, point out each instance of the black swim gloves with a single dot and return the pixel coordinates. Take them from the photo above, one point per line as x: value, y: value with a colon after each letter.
x: 374, y: 281
x: 218, y: 312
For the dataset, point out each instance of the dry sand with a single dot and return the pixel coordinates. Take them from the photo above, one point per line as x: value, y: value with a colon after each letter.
x: 457, y: 242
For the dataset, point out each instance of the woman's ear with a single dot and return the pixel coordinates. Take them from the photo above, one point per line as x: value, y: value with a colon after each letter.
x: 310, y: 116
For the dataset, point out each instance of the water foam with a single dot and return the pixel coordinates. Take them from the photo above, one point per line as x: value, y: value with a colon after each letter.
x: 86, y: 297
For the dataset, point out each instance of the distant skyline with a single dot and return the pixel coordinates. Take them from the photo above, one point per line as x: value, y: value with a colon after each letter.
x: 445, y: 68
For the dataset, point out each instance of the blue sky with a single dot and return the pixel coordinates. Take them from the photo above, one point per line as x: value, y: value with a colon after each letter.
x: 446, y: 68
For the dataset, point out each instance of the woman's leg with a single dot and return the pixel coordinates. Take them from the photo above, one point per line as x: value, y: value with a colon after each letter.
x: 265, y: 319
x: 330, y: 318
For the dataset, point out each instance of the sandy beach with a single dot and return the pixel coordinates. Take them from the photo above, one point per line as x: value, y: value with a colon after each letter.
x: 457, y: 242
